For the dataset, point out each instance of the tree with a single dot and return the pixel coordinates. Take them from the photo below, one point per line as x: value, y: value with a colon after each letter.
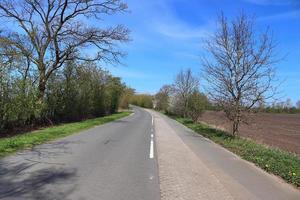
x: 126, y: 96
x: 82, y: 91
x: 241, y: 72
x: 115, y: 90
x: 142, y: 100
x: 51, y: 32
x: 185, y: 84
x: 197, y: 104
x: 288, y: 103
x: 17, y: 94
x: 298, y: 104
x: 162, y: 98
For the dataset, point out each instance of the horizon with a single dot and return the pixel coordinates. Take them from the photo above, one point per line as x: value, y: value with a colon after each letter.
x: 167, y: 36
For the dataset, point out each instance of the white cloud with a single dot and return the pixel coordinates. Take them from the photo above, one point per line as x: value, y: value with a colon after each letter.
x: 274, y: 2
x: 295, y: 14
x: 161, y: 19
x: 182, y: 31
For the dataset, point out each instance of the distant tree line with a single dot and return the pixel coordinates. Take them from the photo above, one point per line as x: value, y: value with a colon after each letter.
x: 181, y: 98
x: 142, y: 100
x: 280, y: 107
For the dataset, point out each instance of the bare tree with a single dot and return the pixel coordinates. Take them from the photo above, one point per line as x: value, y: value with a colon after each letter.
x: 298, y: 104
x: 51, y: 32
x: 162, y: 98
x: 241, y: 72
x: 288, y: 103
x: 185, y: 84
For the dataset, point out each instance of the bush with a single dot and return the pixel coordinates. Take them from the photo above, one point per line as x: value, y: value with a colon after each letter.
x: 197, y: 103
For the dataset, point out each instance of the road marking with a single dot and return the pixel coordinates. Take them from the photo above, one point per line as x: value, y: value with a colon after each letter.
x: 151, y: 154
x: 152, y: 120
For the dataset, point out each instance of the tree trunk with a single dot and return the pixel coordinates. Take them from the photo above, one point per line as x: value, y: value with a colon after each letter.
x: 235, y: 128
x: 236, y: 123
x: 185, y: 111
x: 42, y: 87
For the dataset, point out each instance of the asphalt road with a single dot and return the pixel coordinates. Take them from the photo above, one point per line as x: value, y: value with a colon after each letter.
x: 118, y: 161
x: 109, y: 162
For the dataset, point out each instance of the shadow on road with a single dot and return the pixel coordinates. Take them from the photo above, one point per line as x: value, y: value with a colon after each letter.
x: 28, y: 175
x: 35, y: 185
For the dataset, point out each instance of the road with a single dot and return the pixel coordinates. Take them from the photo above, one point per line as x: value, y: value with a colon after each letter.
x: 109, y: 162
x: 145, y: 156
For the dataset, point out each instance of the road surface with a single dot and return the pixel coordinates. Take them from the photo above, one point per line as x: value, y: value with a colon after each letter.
x: 109, y: 162
x: 145, y: 156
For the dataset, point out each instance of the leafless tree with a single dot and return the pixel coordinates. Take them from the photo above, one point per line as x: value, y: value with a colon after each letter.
x: 298, y: 104
x: 51, y: 32
x: 185, y: 84
x: 288, y: 103
x: 240, y: 68
x: 162, y: 98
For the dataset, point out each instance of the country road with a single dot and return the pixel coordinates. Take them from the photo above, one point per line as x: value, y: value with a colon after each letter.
x: 107, y: 162
x: 145, y: 156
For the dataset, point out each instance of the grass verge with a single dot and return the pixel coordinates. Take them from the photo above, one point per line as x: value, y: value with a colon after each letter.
x: 28, y: 140
x: 275, y: 161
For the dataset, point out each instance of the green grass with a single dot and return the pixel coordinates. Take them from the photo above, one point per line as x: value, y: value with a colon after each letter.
x: 275, y: 161
x: 28, y: 140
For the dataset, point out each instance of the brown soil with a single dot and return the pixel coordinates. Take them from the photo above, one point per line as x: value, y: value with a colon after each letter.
x: 279, y: 130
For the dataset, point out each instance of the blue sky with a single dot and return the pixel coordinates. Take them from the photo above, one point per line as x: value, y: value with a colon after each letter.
x: 167, y: 36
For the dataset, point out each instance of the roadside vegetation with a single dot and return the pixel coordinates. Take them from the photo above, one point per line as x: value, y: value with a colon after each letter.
x: 30, y: 139
x: 183, y: 97
x: 46, y: 75
x: 142, y: 100
x: 240, y: 79
x: 278, y: 162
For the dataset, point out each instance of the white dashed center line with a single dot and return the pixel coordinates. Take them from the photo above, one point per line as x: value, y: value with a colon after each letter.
x: 151, y: 154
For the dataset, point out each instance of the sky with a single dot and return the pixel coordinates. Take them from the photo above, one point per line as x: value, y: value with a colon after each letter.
x: 167, y: 36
